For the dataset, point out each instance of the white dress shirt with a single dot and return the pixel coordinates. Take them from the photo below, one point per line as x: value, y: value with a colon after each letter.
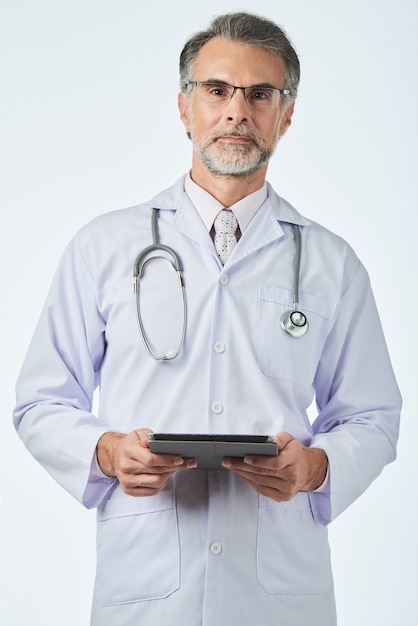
x: 208, y: 207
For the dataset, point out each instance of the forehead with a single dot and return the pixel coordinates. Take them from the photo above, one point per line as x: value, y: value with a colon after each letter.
x: 238, y: 63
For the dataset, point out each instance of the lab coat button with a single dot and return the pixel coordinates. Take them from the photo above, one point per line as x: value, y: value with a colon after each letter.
x: 217, y: 407
x: 219, y: 347
x: 224, y: 279
x: 215, y: 548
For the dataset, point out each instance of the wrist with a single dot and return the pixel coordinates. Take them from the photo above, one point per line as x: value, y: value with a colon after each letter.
x: 105, y: 450
x: 317, y: 468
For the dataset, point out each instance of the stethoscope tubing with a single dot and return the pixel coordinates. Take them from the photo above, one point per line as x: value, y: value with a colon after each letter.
x: 140, y: 263
x: 155, y: 246
x: 294, y: 322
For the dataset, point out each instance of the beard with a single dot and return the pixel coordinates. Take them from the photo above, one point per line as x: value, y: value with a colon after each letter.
x: 236, y: 160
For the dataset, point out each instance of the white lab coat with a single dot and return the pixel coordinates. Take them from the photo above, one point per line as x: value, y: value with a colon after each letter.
x: 208, y: 550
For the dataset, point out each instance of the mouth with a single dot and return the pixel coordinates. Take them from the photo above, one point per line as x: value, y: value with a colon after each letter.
x: 233, y: 139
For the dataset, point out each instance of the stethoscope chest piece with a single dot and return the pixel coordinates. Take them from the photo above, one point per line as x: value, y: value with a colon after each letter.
x: 295, y: 323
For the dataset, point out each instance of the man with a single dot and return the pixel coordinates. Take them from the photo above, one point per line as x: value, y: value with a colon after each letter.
x: 246, y: 544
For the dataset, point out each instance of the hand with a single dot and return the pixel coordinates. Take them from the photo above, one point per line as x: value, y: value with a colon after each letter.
x: 296, y: 468
x: 129, y: 459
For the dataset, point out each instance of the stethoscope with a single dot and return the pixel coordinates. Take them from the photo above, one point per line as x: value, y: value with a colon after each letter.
x: 294, y: 322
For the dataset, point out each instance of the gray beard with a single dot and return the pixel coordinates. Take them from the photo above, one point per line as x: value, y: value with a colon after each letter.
x: 237, y: 161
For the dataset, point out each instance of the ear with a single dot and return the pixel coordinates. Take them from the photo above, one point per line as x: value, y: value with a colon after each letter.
x: 286, y: 119
x: 183, y: 104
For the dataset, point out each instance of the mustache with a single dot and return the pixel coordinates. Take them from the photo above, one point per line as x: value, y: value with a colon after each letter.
x: 239, y: 131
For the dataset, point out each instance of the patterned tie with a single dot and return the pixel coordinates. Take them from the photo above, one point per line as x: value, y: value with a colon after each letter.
x: 225, y: 226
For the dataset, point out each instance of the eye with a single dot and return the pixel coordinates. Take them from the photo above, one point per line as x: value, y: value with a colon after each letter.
x: 217, y: 90
x: 260, y: 95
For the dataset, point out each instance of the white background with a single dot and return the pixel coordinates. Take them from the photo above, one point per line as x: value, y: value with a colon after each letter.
x: 89, y: 124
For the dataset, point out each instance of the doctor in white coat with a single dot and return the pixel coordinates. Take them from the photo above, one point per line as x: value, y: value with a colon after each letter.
x: 246, y: 544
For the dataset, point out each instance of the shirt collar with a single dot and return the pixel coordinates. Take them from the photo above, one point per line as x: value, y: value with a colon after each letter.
x: 208, y: 207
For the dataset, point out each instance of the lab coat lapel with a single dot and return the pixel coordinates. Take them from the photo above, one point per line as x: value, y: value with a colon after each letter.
x: 185, y: 217
x: 188, y: 221
x: 263, y: 230
x: 265, y: 227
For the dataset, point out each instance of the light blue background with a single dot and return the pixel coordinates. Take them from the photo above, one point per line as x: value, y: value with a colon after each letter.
x: 89, y: 124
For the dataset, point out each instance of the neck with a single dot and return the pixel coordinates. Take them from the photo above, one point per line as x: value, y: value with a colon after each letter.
x: 227, y: 189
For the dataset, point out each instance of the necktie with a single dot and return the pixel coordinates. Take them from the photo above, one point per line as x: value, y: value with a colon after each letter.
x: 225, y: 226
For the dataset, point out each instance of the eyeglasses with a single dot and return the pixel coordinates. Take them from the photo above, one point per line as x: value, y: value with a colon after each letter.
x: 222, y: 93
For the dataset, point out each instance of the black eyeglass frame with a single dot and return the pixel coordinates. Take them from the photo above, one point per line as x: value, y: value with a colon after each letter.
x: 209, y: 83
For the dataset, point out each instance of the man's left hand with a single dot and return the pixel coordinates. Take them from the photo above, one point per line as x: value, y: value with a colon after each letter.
x: 296, y: 468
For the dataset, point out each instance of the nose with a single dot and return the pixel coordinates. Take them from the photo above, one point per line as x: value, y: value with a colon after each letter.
x: 237, y: 108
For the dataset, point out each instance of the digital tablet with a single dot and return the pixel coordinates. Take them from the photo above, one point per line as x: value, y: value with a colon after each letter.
x: 209, y: 450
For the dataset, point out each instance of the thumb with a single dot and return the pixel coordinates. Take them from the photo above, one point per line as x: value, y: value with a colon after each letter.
x: 283, y: 439
x: 142, y: 433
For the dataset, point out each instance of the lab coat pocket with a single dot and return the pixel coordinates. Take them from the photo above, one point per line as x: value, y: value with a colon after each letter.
x: 280, y: 355
x: 138, y: 554
x: 293, y: 555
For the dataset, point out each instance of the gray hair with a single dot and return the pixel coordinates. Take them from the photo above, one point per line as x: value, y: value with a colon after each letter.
x: 247, y: 28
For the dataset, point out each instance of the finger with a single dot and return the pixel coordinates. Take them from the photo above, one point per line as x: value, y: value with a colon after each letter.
x: 145, y: 484
x: 142, y: 436
x: 270, y: 492
x: 143, y: 457
x: 259, y: 478
x: 161, y: 461
x: 283, y: 439
x: 160, y: 464
x: 168, y: 463
x: 147, y: 481
x: 165, y: 461
x: 277, y: 487
x: 266, y: 462
x: 256, y: 464
x: 267, y: 484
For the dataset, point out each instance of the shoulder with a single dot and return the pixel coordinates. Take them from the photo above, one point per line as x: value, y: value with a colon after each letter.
x: 286, y: 213
x: 320, y: 246
x: 135, y: 219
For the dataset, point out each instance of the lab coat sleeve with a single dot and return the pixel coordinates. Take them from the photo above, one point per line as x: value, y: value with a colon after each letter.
x: 55, y: 388
x: 359, y: 404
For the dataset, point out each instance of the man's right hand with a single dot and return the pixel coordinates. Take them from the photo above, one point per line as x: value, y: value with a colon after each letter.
x: 129, y: 459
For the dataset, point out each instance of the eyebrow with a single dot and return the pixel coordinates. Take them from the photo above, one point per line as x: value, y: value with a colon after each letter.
x: 216, y: 81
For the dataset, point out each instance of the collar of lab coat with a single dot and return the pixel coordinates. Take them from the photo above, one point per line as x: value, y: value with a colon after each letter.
x: 265, y: 227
